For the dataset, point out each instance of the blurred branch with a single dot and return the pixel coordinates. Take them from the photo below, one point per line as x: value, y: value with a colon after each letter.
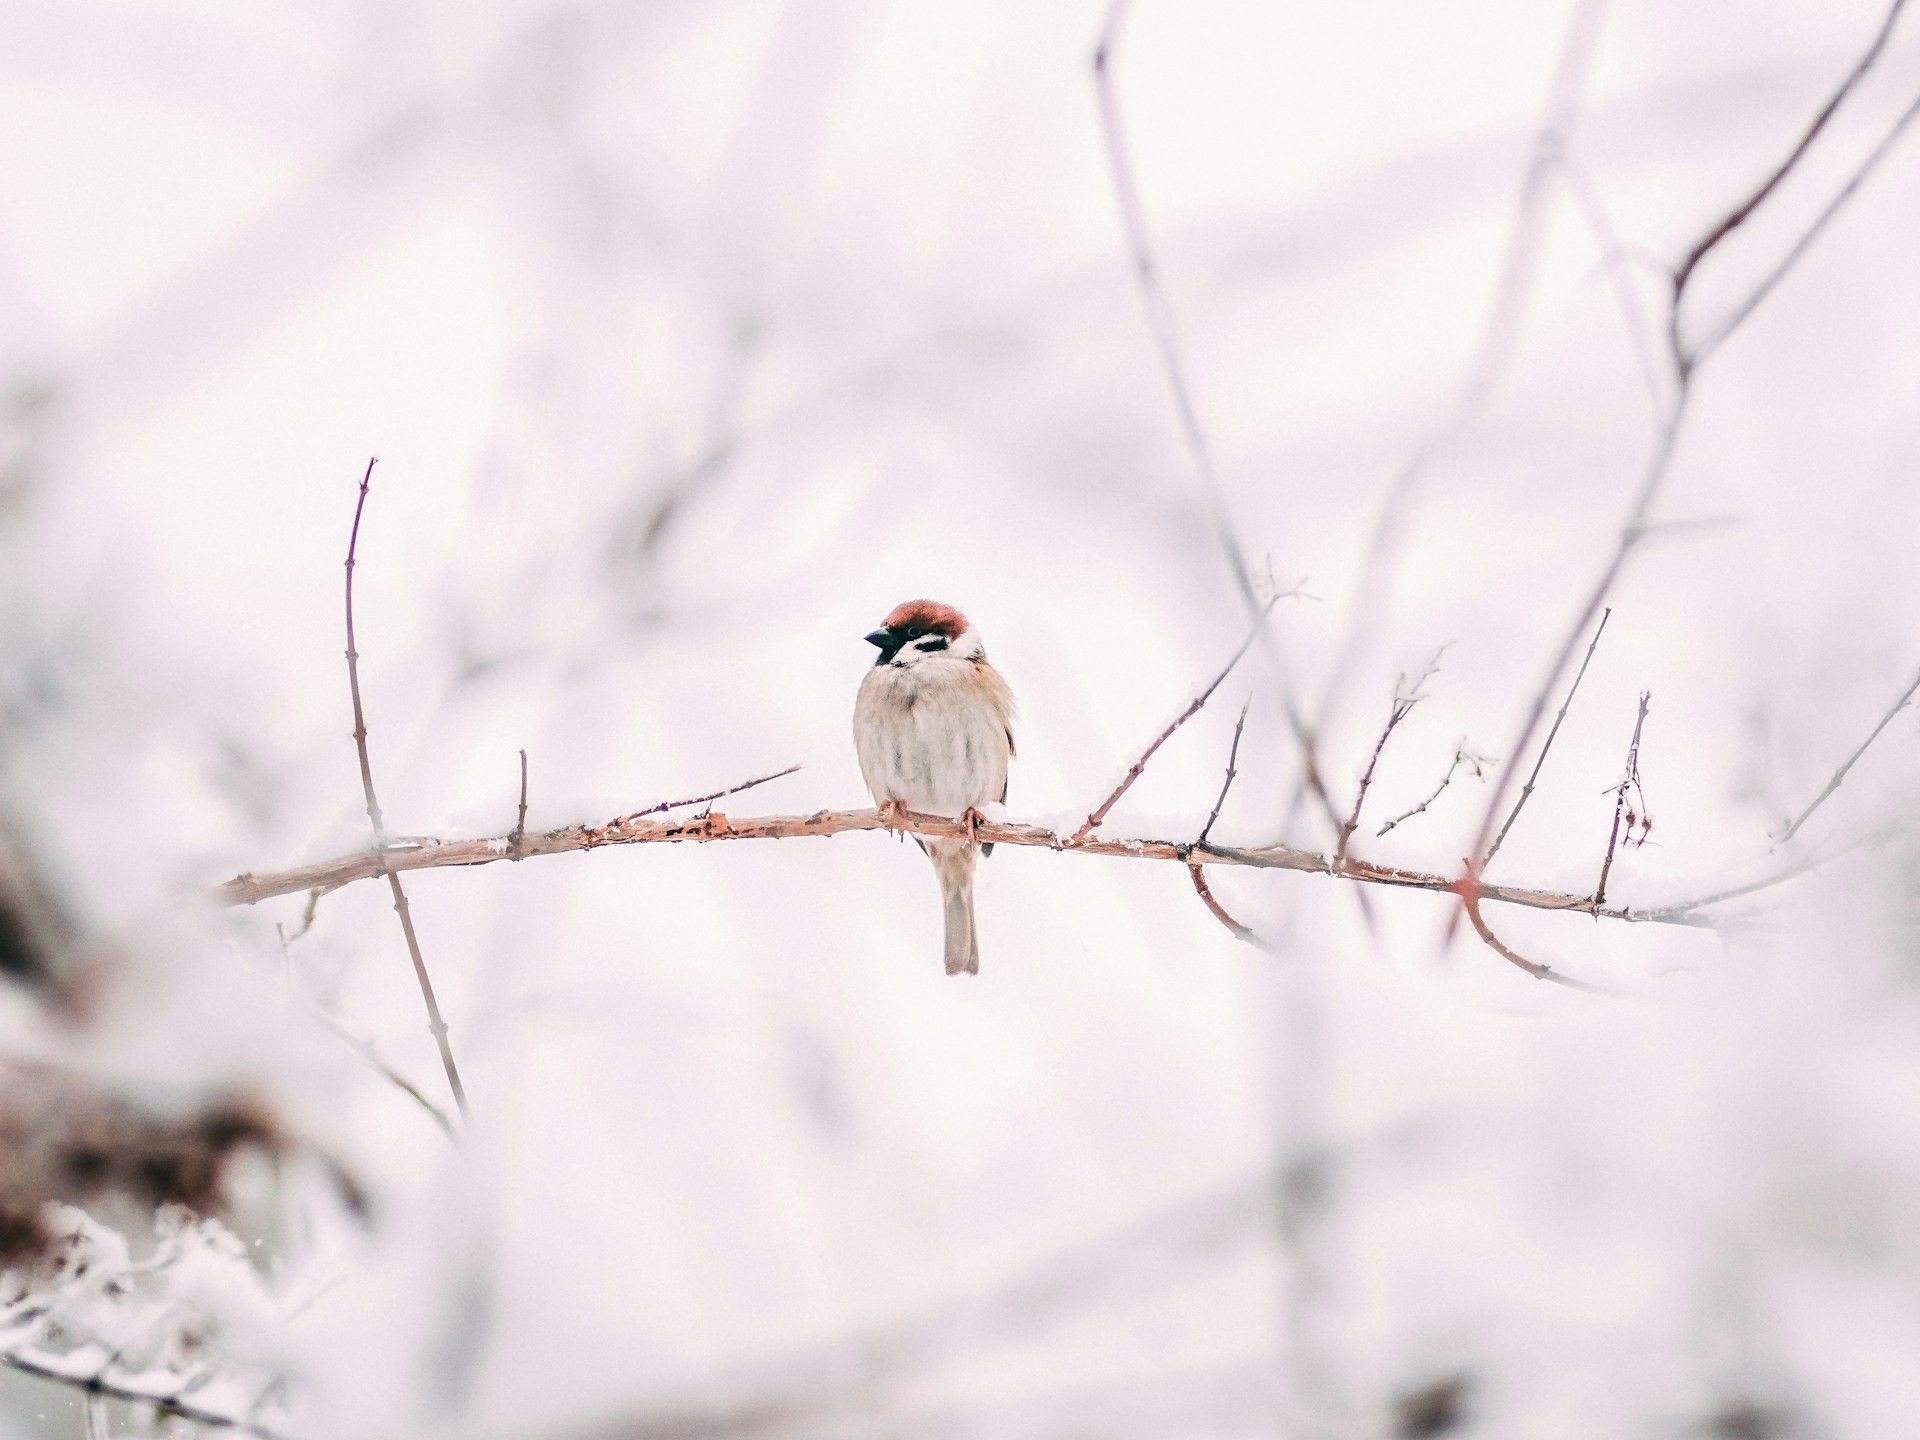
x: 435, y: 1023
x: 1492, y: 351
x: 1166, y: 337
x: 1219, y: 911
x: 1744, y: 210
x: 85, y: 1372
x: 1840, y: 775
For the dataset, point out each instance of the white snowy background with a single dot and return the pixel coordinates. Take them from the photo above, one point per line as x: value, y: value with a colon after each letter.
x: 693, y: 337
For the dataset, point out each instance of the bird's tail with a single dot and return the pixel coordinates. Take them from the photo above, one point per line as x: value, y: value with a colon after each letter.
x: 953, y: 863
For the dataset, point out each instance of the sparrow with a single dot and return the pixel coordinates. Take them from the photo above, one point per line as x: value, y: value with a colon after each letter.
x: 932, y: 728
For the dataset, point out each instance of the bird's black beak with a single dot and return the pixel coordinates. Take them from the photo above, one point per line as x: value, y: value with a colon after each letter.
x: 880, y: 638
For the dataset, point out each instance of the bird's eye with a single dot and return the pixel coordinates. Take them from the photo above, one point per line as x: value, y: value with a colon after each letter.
x: 914, y: 632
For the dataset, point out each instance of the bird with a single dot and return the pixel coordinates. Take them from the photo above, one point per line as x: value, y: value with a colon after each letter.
x: 933, y: 731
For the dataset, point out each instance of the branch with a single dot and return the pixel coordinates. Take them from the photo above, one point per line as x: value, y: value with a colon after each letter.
x: 1238, y: 931
x: 1233, y: 760
x: 1840, y: 775
x: 435, y: 1023
x: 1526, y: 791
x: 432, y: 854
x: 1471, y: 892
x: 707, y: 800
x: 1629, y: 784
x: 520, y: 821
x: 1099, y: 812
x: 1405, y: 697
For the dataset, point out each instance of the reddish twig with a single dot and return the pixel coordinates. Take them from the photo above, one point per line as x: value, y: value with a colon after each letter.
x: 1461, y: 756
x: 1219, y: 912
x: 666, y: 805
x: 1471, y: 892
x: 1233, y: 760
x: 435, y: 1023
x: 1526, y: 791
x: 1638, y: 824
x: 1839, y: 776
x: 1405, y: 697
x: 1134, y: 771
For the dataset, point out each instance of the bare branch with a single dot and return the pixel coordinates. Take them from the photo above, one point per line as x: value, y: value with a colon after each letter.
x: 1526, y: 790
x: 1405, y: 697
x: 1219, y: 912
x: 1099, y: 812
x: 430, y: 854
x: 1840, y: 775
x: 1640, y: 823
x: 435, y: 1023
x: 1233, y: 760
x: 1461, y: 756
x: 1471, y: 892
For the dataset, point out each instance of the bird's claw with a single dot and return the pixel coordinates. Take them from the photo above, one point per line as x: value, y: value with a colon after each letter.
x: 970, y: 819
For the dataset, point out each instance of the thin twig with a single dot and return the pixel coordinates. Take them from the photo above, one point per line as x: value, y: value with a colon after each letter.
x: 666, y: 805
x: 1099, y: 812
x: 1471, y: 892
x: 435, y: 1023
x: 1526, y: 791
x: 1461, y: 756
x: 1233, y: 760
x: 1219, y: 912
x: 520, y: 822
x: 1840, y: 775
x: 1405, y: 697
x: 1637, y: 823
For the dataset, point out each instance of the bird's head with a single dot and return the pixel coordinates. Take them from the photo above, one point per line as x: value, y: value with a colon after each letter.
x: 922, y: 629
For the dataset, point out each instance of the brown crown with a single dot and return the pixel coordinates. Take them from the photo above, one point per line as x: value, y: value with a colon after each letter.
x: 929, y: 615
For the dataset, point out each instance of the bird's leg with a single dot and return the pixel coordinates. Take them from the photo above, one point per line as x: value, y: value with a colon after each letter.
x: 892, y: 812
x: 970, y: 819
